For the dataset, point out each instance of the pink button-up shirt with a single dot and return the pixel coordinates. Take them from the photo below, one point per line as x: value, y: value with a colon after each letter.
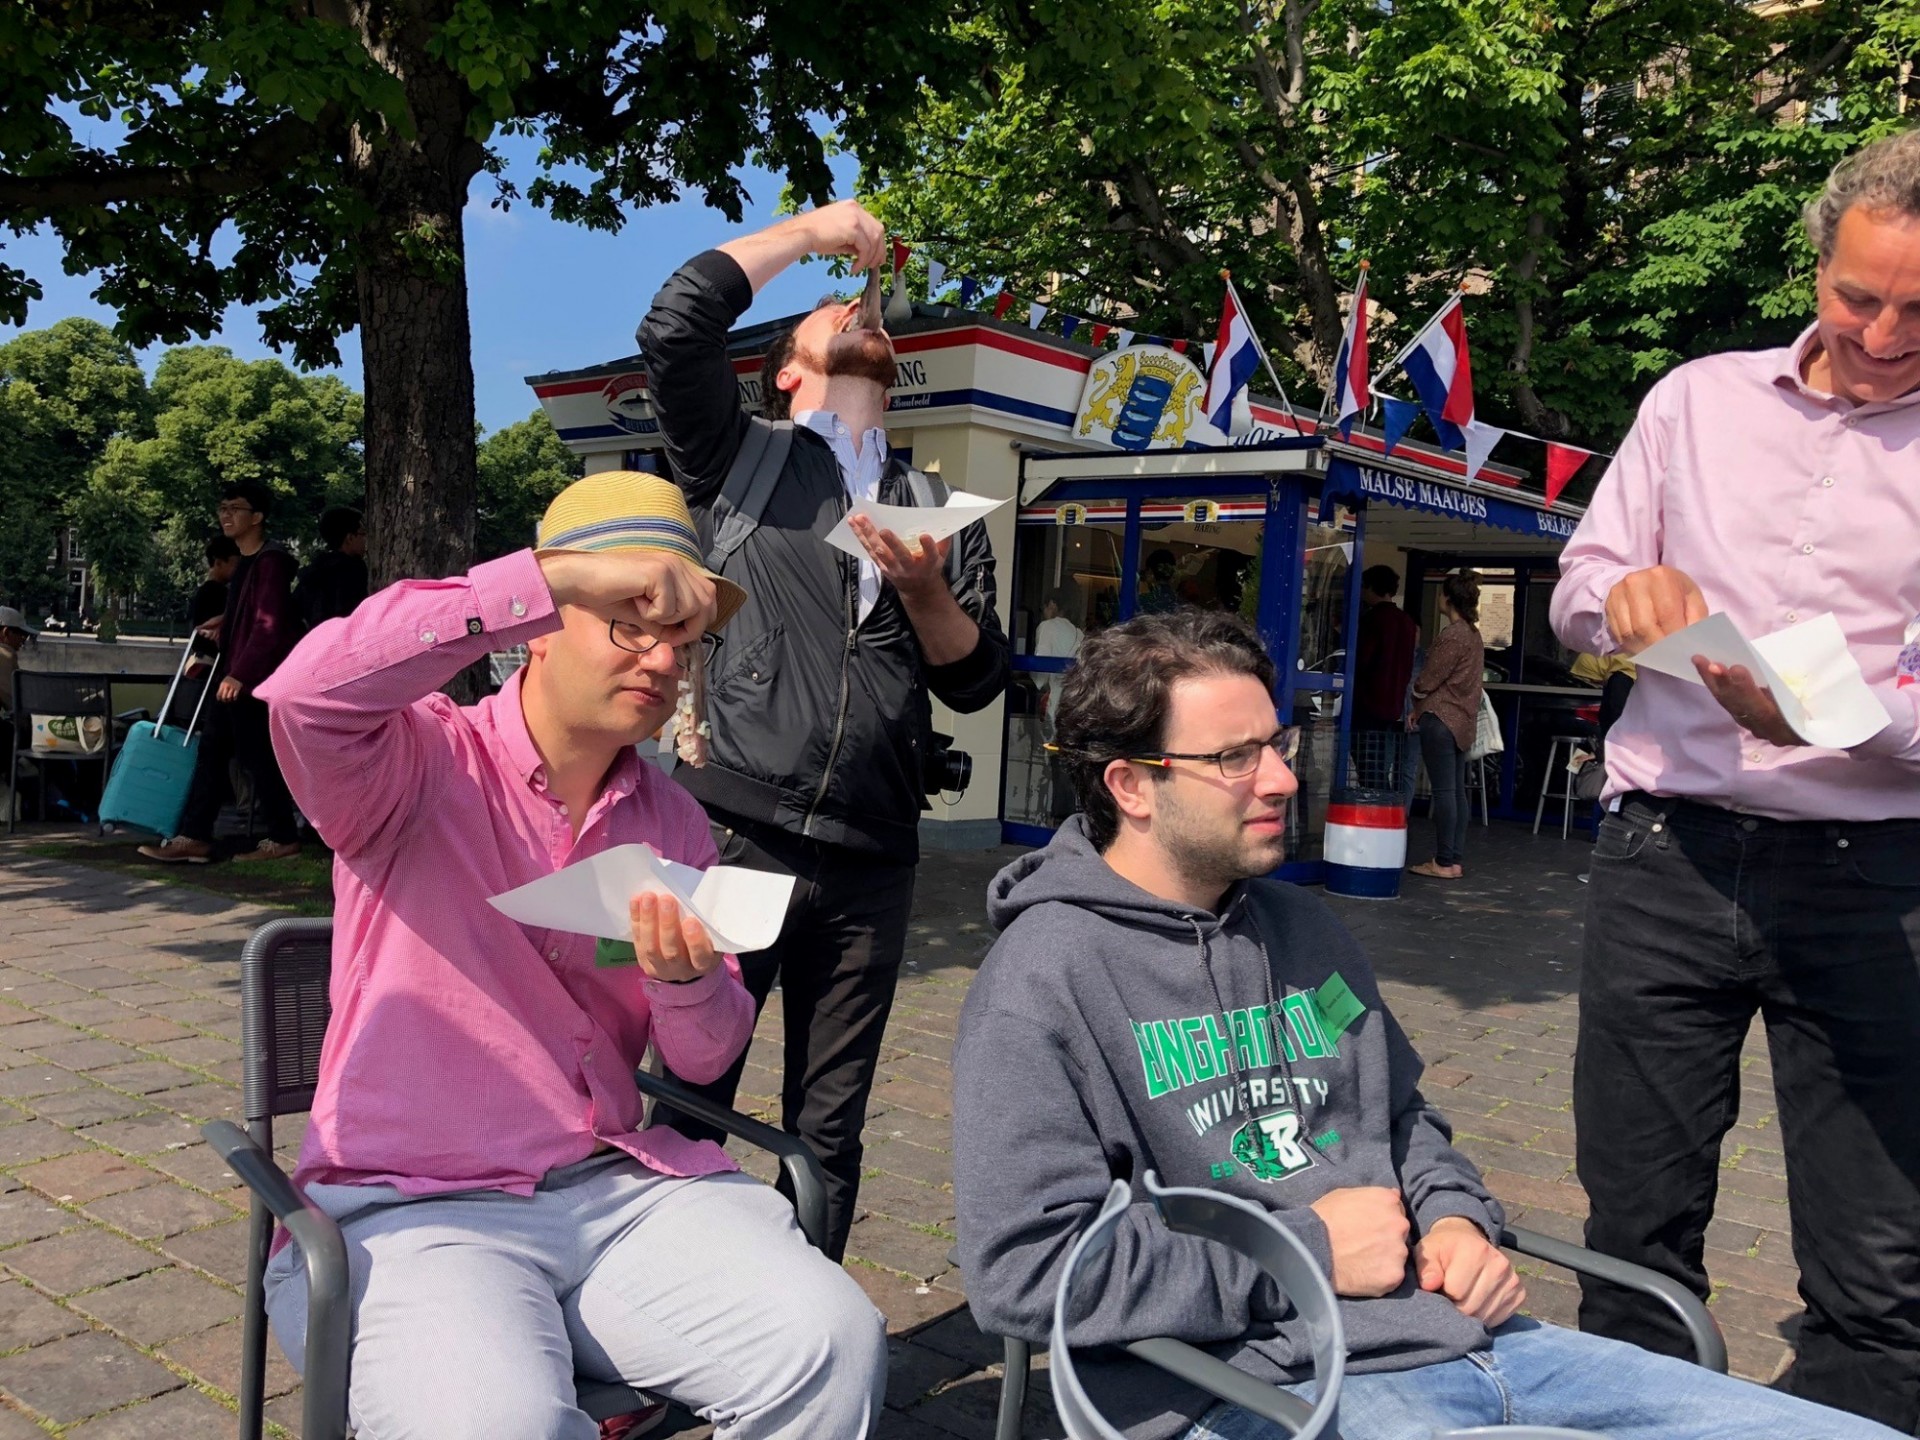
x: 1781, y: 502
x: 468, y: 1051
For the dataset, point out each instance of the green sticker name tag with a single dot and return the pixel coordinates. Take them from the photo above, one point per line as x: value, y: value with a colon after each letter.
x: 1339, y: 1007
x: 609, y: 953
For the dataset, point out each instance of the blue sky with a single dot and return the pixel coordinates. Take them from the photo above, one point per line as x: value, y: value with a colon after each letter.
x: 542, y: 295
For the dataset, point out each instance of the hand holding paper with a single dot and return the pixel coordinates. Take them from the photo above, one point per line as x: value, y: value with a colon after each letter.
x: 910, y: 522
x: 741, y: 910
x: 667, y: 943
x: 1808, y: 668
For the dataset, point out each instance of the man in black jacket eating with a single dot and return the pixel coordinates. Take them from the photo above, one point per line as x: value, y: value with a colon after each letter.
x: 818, y: 702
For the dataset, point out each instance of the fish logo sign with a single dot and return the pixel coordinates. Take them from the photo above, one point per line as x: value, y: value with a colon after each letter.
x: 627, y: 404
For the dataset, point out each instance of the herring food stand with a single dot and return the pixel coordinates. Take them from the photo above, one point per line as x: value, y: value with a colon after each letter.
x: 1123, y: 497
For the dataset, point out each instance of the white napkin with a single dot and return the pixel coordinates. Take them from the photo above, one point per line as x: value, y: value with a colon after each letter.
x: 1813, y: 676
x: 743, y: 910
x: 910, y: 522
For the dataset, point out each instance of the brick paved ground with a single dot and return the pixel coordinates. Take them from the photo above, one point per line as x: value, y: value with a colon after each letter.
x: 121, y: 1235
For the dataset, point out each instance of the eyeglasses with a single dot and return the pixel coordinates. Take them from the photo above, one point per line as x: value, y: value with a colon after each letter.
x: 637, y: 641
x: 238, y: 507
x: 1236, y: 762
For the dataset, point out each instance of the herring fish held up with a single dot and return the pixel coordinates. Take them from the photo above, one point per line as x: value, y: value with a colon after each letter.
x: 870, y: 302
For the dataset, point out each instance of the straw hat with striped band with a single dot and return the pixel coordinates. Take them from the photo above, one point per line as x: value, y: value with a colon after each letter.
x: 628, y: 510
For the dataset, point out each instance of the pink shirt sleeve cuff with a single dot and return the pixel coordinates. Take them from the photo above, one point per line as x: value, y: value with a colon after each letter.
x: 511, y: 591
x: 1901, y: 739
x: 665, y: 995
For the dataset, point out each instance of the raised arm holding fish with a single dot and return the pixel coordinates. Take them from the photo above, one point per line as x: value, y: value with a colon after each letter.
x: 817, y: 758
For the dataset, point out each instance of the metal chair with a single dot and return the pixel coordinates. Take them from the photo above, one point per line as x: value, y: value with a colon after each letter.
x: 285, y: 969
x: 1223, y: 1382
x: 85, y: 697
x: 1558, y: 766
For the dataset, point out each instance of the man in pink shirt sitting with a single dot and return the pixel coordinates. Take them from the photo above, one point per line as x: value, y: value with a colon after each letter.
x: 476, y: 1128
x: 1742, y: 869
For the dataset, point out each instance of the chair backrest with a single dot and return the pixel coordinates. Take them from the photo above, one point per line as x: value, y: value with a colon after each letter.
x: 1239, y: 1225
x: 284, y: 974
x: 38, y: 692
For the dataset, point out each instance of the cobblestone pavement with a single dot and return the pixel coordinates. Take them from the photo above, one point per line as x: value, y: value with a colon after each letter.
x: 122, y: 1237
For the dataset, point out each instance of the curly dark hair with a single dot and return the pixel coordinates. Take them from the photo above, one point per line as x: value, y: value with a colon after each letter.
x: 1117, y: 696
x: 775, y: 403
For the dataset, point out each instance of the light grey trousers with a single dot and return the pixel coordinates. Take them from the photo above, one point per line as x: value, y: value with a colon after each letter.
x: 473, y: 1312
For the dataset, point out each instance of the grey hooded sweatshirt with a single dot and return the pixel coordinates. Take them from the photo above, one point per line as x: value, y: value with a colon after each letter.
x: 1111, y: 1032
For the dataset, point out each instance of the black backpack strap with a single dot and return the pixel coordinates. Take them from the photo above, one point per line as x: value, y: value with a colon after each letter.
x: 743, y: 496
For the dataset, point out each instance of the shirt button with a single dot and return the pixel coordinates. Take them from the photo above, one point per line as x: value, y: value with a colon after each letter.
x: 587, y: 1058
x: 1755, y: 757
x: 1842, y: 844
x: 1827, y: 482
x: 1792, y: 615
x: 1749, y: 826
x: 554, y: 955
x: 519, y: 606
x: 1806, y: 549
x: 427, y: 637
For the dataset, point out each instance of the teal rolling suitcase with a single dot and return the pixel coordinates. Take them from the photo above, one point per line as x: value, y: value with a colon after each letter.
x: 154, y: 770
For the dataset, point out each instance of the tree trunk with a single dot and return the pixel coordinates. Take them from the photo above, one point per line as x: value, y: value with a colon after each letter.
x: 415, y: 345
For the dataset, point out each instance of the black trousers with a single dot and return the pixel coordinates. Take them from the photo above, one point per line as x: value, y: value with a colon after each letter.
x: 237, y: 730
x: 838, y: 962
x: 1699, y: 917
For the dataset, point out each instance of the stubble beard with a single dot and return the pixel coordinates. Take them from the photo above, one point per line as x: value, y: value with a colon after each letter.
x: 1210, y: 856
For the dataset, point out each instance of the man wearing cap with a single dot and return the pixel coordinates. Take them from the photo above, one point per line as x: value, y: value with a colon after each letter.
x: 821, y: 725
x: 1741, y: 870
x: 14, y: 633
x: 476, y: 1128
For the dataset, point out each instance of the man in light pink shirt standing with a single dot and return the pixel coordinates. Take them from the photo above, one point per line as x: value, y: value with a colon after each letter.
x: 1741, y: 869
x: 476, y: 1128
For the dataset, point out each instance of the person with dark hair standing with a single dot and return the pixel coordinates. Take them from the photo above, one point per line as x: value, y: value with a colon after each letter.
x: 819, y: 708
x: 1446, y: 711
x: 1382, y: 671
x: 255, y: 631
x: 209, y: 600
x: 1155, y: 1003
x: 333, y: 583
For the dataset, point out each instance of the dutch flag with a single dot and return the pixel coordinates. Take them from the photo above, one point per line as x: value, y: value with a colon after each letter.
x: 1350, y: 389
x: 1236, y: 355
x: 1442, y: 374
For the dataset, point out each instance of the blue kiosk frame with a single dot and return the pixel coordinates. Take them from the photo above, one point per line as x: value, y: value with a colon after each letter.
x: 1287, y: 491
x: 1300, y: 472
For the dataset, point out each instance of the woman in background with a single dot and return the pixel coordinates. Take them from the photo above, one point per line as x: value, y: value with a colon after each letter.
x: 1446, y: 707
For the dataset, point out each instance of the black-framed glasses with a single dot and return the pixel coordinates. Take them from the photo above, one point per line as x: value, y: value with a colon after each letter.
x: 636, y: 641
x: 1236, y: 762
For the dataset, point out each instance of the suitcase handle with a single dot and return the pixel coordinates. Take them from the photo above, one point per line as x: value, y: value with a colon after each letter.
x: 160, y: 722
x: 186, y: 656
x: 199, y: 705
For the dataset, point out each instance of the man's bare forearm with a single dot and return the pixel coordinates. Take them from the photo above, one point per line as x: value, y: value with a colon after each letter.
x: 946, y: 632
x: 765, y: 253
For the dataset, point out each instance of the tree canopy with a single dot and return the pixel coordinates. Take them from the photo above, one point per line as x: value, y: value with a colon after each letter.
x: 66, y: 394
x: 1617, y: 181
x: 313, y: 160
x: 522, y: 467
x: 135, y: 468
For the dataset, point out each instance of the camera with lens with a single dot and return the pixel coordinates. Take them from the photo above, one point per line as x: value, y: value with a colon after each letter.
x: 945, y: 769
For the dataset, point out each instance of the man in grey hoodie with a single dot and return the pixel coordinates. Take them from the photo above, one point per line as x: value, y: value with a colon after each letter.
x: 1151, y: 1005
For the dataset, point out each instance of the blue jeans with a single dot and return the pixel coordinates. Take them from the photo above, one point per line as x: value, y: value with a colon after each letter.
x: 1542, y: 1375
x: 1447, y: 776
